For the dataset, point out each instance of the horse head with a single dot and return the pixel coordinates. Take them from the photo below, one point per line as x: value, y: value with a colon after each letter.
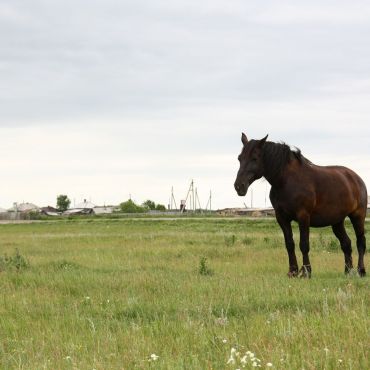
x: 251, y: 164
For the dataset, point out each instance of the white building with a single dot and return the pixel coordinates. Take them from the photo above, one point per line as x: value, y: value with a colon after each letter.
x: 24, y: 208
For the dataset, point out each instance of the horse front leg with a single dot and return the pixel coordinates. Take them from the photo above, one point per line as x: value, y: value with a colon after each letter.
x: 286, y: 227
x: 304, y: 245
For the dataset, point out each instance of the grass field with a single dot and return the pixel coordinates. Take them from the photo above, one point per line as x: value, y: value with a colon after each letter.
x: 197, y: 293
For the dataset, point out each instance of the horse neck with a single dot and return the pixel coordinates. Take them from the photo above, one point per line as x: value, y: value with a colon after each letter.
x: 275, y: 159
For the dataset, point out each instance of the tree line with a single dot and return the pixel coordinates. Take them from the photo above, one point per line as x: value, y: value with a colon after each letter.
x: 129, y: 206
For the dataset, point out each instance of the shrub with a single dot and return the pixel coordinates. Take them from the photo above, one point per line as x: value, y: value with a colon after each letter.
x: 160, y: 207
x: 17, y: 262
x: 149, y: 204
x: 230, y: 240
x: 247, y: 241
x: 203, y: 268
x: 131, y: 207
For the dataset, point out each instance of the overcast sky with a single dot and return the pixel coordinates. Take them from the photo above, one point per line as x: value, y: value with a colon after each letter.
x: 103, y: 99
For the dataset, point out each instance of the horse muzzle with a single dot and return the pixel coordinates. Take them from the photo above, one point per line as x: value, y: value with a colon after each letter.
x: 241, y: 188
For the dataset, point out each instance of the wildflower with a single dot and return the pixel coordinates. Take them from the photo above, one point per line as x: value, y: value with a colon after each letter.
x: 269, y: 364
x: 154, y: 357
x: 326, y: 350
x: 233, y: 351
x: 224, y: 340
x: 340, y: 360
x: 254, y: 364
x: 231, y: 360
x: 68, y: 358
x: 244, y: 360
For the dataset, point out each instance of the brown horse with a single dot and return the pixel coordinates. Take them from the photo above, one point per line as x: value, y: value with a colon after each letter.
x: 311, y: 195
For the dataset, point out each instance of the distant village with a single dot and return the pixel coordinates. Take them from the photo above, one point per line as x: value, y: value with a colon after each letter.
x: 26, y: 210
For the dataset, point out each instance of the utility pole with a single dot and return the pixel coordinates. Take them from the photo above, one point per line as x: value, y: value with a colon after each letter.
x: 190, y: 192
x: 197, y: 200
x: 209, y: 202
x: 173, y: 200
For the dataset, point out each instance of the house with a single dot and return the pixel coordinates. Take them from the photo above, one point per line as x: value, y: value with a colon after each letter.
x: 50, y: 211
x: 103, y: 210
x: 24, y: 208
x: 85, y: 205
x: 77, y: 211
x: 83, y: 208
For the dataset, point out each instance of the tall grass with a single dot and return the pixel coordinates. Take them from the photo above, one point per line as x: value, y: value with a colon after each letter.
x: 110, y: 294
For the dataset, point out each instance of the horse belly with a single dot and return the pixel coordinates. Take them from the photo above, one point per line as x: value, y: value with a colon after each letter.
x: 320, y: 220
x: 333, y: 207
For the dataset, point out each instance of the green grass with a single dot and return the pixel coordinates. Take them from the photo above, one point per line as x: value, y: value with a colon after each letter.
x: 106, y: 294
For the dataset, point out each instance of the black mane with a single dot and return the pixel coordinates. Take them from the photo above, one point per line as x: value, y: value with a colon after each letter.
x: 277, y: 155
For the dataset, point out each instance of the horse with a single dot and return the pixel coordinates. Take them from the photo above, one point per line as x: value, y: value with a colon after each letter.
x: 311, y: 195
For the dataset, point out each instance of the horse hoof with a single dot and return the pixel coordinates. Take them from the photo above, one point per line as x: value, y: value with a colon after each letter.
x: 361, y: 272
x: 305, y: 272
x: 292, y: 274
x: 349, y: 271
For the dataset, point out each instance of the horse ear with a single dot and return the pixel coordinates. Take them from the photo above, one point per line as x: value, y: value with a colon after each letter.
x: 261, y: 142
x: 244, y: 139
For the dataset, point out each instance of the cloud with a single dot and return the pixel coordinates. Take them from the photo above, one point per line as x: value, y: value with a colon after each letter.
x: 118, y: 95
x: 315, y: 13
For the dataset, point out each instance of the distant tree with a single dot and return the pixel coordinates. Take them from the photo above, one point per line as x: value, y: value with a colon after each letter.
x: 63, y: 202
x: 149, y: 204
x: 160, y: 207
x: 131, y: 207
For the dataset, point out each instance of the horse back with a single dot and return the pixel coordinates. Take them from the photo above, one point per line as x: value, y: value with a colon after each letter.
x: 338, y: 184
x: 327, y: 193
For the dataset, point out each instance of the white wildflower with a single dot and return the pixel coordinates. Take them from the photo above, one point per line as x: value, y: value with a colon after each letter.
x: 231, y: 360
x: 269, y: 364
x: 244, y: 359
x: 254, y: 364
x: 224, y: 340
x: 154, y: 357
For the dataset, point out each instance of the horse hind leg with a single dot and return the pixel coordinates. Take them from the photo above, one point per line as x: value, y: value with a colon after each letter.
x: 345, y: 243
x: 358, y: 222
